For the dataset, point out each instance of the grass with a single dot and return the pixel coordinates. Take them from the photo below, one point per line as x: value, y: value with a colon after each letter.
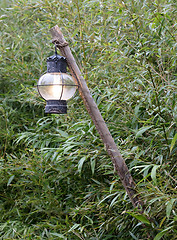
x: 57, y: 181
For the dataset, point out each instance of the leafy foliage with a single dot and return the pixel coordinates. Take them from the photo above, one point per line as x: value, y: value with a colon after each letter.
x: 57, y: 181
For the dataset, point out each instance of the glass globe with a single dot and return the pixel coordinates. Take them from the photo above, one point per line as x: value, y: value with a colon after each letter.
x: 56, y: 86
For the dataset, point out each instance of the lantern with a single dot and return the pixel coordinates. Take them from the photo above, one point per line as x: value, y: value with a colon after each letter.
x: 56, y: 86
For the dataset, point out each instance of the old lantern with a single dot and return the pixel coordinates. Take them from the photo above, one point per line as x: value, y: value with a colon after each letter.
x: 56, y: 86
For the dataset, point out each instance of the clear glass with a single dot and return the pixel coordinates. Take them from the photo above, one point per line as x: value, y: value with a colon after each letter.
x: 56, y: 86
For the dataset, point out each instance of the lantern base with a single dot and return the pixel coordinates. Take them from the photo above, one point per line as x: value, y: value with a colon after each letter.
x: 56, y: 106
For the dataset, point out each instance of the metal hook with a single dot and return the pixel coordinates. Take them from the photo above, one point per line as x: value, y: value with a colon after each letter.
x: 55, y: 49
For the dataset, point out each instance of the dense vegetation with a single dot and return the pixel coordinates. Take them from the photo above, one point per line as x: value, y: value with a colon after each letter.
x: 57, y: 182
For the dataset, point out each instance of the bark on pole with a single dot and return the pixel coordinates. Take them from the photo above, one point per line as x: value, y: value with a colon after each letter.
x: 117, y: 160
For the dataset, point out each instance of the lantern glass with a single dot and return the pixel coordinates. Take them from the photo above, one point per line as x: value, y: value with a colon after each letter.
x: 56, y: 86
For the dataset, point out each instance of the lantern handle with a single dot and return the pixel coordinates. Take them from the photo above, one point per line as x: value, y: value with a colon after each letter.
x: 55, y: 49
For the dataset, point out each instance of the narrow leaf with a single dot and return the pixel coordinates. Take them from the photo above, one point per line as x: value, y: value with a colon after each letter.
x: 173, y: 142
x: 139, y: 217
x: 142, y: 130
x: 66, y: 150
x: 59, y: 235
x: 163, y: 220
x: 113, y: 201
x: 169, y: 207
x: 153, y: 173
x: 92, y: 162
x: 10, y: 180
x: 160, y: 234
x: 62, y: 133
x: 106, y: 198
x: 80, y: 164
x: 133, y: 236
x: 74, y: 227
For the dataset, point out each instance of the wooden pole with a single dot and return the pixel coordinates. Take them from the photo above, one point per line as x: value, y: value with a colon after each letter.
x: 117, y: 160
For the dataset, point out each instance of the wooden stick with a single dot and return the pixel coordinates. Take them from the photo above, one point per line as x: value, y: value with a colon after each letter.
x: 117, y: 160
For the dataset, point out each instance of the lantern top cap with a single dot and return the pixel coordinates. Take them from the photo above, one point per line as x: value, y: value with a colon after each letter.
x: 55, y: 58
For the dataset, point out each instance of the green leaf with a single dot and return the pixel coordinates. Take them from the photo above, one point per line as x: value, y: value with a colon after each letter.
x: 153, y: 173
x: 160, y: 234
x: 113, y: 201
x: 74, y: 227
x: 173, y: 142
x: 163, y: 220
x: 140, y: 217
x: 10, y: 180
x: 67, y: 149
x: 142, y: 130
x: 80, y: 164
x: 133, y: 236
x: 62, y: 133
x: 92, y: 162
x: 169, y: 206
x: 59, y: 235
x: 110, y: 195
x: 91, y: 221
